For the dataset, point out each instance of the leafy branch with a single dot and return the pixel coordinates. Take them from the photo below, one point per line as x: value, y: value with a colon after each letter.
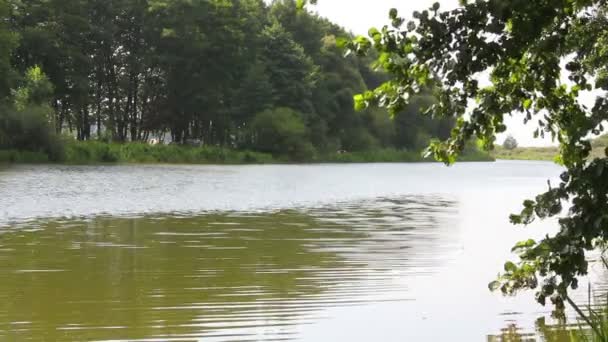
x: 527, y: 51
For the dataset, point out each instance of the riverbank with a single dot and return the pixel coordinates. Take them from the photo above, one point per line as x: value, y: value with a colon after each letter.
x: 526, y: 153
x: 95, y: 152
x: 549, y: 153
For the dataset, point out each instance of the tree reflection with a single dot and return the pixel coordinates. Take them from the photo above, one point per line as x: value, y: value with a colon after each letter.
x: 224, y: 276
x: 556, y: 332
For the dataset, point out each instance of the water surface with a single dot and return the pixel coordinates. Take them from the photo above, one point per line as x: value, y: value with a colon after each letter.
x: 390, y: 252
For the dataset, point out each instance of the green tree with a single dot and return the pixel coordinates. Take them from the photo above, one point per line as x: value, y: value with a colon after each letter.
x: 54, y: 36
x: 521, y: 45
x: 293, y: 73
x: 8, y: 41
x: 26, y: 124
x: 510, y: 143
x: 36, y: 90
x: 256, y: 94
x: 305, y: 28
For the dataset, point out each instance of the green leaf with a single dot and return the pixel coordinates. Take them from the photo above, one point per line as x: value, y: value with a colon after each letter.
x: 510, y: 267
x: 493, y: 286
x: 515, y: 219
x: 300, y: 4
x: 559, y: 160
x: 342, y: 43
x: 360, y: 103
x: 527, y: 104
x: 393, y: 13
x: 523, y: 244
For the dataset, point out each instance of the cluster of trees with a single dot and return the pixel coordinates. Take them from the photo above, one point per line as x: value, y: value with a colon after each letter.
x: 237, y: 73
x: 24, y: 98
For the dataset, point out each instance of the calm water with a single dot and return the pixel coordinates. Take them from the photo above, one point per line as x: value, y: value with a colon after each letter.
x: 384, y: 252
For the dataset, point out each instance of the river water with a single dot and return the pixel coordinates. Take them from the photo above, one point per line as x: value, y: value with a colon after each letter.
x: 361, y: 252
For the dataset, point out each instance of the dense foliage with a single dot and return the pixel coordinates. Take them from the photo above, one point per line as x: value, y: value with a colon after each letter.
x: 218, y: 73
x: 538, y: 56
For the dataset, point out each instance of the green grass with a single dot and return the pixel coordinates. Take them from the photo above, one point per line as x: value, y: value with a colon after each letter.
x: 475, y: 155
x: 398, y: 156
x: 23, y: 157
x: 383, y: 155
x: 526, y: 153
x: 598, y: 145
x: 91, y: 152
x: 96, y: 152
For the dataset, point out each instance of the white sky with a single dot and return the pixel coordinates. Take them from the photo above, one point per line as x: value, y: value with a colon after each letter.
x: 359, y: 15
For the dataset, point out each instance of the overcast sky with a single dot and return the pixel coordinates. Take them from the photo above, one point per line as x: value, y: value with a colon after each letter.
x: 359, y: 15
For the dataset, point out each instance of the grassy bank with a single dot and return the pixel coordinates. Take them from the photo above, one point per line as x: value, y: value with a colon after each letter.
x: 398, y: 156
x: 14, y: 156
x: 94, y: 152
x: 97, y: 152
x: 526, y: 153
x: 598, y: 145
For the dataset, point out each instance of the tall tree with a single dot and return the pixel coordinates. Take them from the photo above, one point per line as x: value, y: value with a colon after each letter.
x: 8, y: 41
x: 293, y: 73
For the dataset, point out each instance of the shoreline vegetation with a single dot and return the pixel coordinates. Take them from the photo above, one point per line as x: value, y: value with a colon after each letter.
x: 599, y: 146
x: 526, y: 153
x: 96, y: 152
x: 281, y: 90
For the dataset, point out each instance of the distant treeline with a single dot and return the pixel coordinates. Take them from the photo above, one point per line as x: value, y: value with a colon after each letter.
x: 237, y: 74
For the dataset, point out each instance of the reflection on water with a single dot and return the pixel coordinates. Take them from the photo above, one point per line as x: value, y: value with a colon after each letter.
x: 221, y: 277
x: 558, y: 332
x: 368, y: 252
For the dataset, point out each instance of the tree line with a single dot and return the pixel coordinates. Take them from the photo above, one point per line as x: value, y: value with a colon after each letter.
x: 232, y: 73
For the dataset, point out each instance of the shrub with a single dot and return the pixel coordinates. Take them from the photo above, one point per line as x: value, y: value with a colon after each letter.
x: 358, y: 139
x: 29, y: 130
x: 14, y: 156
x: 90, y: 151
x: 282, y: 132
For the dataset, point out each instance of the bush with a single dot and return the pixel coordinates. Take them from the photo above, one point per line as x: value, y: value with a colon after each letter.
x: 282, y: 132
x: 84, y: 152
x: 302, y: 151
x: 388, y: 155
x: 358, y: 139
x: 87, y: 152
x: 14, y: 156
x: 29, y: 130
